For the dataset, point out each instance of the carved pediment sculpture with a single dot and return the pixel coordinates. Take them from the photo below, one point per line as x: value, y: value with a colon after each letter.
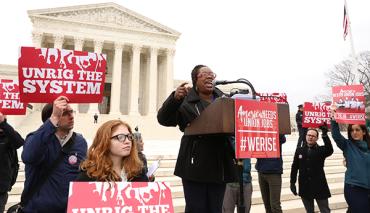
x: 108, y: 14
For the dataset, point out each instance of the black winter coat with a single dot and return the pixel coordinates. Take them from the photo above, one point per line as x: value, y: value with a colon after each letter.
x: 310, y: 164
x: 202, y: 158
x: 298, y: 118
x: 10, y: 141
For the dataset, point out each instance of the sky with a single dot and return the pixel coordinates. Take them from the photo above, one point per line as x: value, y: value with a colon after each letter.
x: 279, y: 46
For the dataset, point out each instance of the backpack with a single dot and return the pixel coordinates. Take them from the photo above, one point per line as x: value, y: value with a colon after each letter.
x: 13, y: 156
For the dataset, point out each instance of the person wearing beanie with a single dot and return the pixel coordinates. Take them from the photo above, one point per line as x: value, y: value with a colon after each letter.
x: 55, y: 147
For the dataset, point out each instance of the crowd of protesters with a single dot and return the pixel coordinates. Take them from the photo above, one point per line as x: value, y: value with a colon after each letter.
x: 54, y: 155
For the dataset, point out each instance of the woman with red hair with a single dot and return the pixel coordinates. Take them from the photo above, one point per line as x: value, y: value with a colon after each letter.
x: 113, y: 155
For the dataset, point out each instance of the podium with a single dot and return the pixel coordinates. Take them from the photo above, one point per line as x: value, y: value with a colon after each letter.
x: 219, y: 117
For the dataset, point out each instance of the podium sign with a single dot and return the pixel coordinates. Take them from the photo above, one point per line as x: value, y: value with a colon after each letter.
x: 119, y: 197
x: 256, y: 129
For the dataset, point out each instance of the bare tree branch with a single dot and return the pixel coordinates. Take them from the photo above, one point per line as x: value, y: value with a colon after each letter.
x: 342, y: 74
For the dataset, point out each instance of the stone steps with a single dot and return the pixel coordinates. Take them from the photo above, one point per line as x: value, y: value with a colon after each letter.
x: 333, y: 167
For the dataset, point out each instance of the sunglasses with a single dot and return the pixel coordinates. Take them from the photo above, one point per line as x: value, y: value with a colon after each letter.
x: 122, y: 137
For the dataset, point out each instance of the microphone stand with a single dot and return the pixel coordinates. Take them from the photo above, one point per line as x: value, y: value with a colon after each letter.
x: 241, y: 205
x: 243, y: 81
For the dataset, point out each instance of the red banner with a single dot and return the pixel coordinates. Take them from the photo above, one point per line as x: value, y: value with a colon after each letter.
x: 9, y: 98
x: 256, y: 129
x: 119, y: 197
x: 315, y: 114
x: 46, y: 73
x: 273, y: 97
x: 350, y: 103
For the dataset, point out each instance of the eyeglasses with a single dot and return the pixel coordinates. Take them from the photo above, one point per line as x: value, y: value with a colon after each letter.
x: 122, y: 137
x: 207, y: 74
x: 67, y: 112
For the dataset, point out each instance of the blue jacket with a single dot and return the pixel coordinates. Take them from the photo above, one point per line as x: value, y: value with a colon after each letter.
x: 40, y: 150
x: 357, y: 157
x: 271, y: 165
x: 247, y: 178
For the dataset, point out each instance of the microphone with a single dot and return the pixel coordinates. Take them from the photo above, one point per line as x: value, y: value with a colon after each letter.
x: 223, y: 82
x: 240, y: 80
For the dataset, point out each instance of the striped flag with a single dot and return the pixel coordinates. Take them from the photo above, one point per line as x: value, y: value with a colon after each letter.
x: 345, y: 23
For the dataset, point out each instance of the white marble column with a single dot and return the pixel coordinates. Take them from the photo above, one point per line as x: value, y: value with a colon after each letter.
x: 134, y: 80
x: 79, y: 43
x: 152, y: 81
x: 58, y: 41
x: 37, y: 39
x: 170, y: 53
x: 98, y: 47
x: 116, y: 80
x: 37, y: 42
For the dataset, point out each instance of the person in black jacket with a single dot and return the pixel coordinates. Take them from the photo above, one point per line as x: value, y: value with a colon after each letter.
x: 205, y: 162
x: 10, y: 141
x: 309, y: 161
x: 301, y: 130
x: 113, y: 155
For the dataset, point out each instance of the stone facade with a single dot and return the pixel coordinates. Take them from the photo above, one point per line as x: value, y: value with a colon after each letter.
x: 139, y: 52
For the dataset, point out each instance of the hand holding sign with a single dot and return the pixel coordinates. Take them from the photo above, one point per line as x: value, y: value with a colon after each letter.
x: 324, y: 130
x: 59, y: 105
x: 333, y: 110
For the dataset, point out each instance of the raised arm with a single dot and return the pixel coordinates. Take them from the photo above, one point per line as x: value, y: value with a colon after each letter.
x: 328, y: 147
x: 337, y: 136
x: 168, y: 114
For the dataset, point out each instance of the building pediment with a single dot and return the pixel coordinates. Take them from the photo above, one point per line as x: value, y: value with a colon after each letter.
x: 105, y: 14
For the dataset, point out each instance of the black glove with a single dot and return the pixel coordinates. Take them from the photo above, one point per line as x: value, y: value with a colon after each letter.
x: 324, y: 130
x: 293, y: 189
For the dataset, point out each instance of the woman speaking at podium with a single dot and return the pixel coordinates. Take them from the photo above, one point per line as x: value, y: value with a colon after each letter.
x: 205, y: 163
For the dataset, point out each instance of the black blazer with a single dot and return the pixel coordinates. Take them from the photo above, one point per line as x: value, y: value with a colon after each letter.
x: 310, y: 164
x: 201, y: 158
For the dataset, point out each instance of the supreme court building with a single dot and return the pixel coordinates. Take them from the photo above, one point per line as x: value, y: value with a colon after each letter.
x: 140, y: 52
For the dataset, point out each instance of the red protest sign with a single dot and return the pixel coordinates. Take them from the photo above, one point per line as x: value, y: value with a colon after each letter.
x: 315, y: 114
x: 46, y: 73
x: 273, y: 97
x: 122, y: 197
x: 350, y: 103
x: 256, y: 129
x: 9, y: 98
